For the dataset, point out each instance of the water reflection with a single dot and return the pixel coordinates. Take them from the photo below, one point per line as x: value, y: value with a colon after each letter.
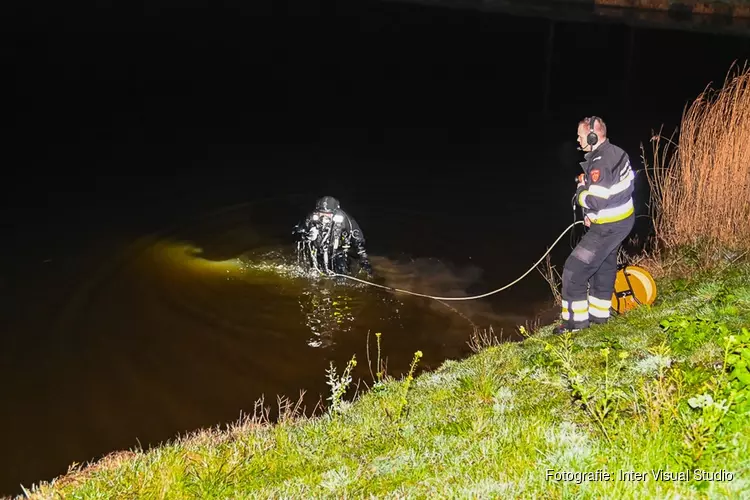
x: 329, y: 306
x: 326, y: 314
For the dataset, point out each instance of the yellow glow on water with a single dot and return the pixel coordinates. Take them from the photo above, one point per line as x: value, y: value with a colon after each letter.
x: 184, y: 257
x: 189, y: 257
x: 328, y: 311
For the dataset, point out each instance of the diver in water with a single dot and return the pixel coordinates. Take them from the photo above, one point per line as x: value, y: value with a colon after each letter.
x: 329, y: 240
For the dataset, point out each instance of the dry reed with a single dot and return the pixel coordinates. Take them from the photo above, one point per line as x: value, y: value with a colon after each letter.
x: 701, y: 187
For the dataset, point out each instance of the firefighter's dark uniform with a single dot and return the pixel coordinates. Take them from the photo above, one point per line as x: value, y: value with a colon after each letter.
x: 607, y: 200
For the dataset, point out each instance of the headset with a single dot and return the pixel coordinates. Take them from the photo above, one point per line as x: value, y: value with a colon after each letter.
x: 592, y: 138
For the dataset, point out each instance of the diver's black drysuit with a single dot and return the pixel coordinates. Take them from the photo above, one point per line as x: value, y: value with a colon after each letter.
x: 327, y: 238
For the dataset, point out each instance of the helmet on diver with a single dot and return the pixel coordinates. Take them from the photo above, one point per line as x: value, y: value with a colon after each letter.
x: 327, y: 204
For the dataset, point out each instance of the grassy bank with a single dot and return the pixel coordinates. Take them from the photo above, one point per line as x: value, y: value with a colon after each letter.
x: 659, y: 389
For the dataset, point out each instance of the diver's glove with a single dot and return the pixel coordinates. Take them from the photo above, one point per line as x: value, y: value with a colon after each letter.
x: 302, y: 233
x: 364, y: 264
x: 299, y: 233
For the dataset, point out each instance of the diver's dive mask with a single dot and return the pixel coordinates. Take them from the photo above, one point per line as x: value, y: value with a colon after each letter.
x: 326, y: 218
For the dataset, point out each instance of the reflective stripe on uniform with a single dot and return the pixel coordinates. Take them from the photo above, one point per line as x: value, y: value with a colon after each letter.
x: 613, y: 214
x: 603, y: 192
x: 599, y: 314
x: 581, y: 316
x: 599, y: 308
x: 580, y: 310
x: 582, y: 198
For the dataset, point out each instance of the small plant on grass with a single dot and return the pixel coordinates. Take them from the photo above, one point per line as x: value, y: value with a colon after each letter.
x: 723, y: 396
x: 600, y: 403
x: 339, y: 384
x: 737, y: 361
x: 553, y: 279
x: 699, y: 430
x: 402, y: 403
x: 688, y: 332
x: 484, y: 383
x: 379, y: 376
x: 656, y: 400
x: 482, y: 339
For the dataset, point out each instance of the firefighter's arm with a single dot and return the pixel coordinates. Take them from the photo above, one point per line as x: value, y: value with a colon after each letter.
x: 580, y: 188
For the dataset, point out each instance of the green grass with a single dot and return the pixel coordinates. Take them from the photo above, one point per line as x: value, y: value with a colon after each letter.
x: 661, y: 388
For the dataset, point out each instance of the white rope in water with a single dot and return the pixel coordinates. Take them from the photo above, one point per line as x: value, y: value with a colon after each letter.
x: 474, y: 297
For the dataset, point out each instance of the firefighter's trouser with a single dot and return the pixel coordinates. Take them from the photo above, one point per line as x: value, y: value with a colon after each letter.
x: 593, y: 262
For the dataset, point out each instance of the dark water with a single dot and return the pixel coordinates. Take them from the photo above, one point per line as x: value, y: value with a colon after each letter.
x: 161, y: 161
x: 135, y: 340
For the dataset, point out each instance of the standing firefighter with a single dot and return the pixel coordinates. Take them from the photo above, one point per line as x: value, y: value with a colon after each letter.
x: 605, y: 192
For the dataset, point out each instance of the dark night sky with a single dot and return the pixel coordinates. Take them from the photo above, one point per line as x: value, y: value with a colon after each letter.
x: 146, y: 90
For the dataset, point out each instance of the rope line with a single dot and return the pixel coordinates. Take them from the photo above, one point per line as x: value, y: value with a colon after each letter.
x: 474, y: 297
